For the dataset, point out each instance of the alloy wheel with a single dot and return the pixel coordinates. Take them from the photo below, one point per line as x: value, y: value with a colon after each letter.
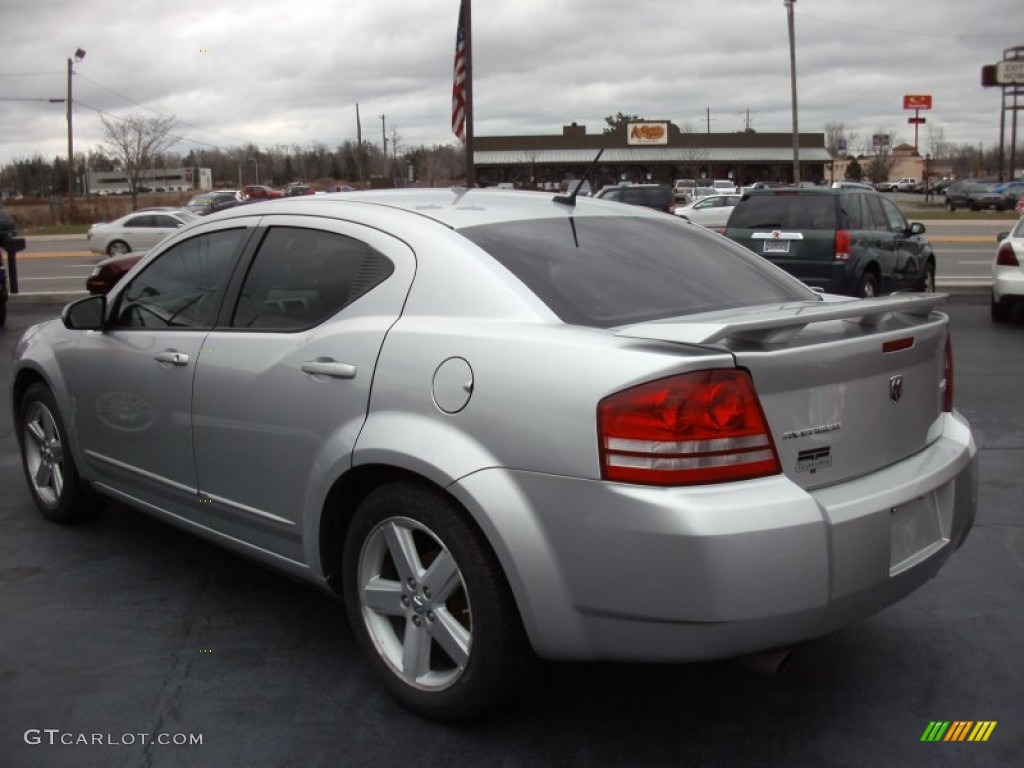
x: 415, y: 605
x: 44, y: 454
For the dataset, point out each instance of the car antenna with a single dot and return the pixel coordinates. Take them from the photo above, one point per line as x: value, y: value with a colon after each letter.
x: 570, y: 199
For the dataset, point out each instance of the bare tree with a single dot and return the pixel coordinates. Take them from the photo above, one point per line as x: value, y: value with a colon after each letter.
x: 937, y: 144
x: 695, y: 155
x: 837, y: 136
x: 135, y: 142
x: 882, y: 160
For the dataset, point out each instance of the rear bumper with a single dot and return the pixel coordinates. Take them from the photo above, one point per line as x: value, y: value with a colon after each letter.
x: 610, y: 571
x: 1008, y: 284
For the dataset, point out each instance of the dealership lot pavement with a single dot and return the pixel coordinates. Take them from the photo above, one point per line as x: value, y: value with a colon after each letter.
x: 124, y: 633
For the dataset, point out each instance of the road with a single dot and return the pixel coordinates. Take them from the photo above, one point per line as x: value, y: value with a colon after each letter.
x: 125, y: 628
x: 964, y: 250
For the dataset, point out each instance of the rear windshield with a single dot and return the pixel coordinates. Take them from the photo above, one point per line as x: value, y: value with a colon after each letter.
x: 616, y: 270
x: 785, y: 212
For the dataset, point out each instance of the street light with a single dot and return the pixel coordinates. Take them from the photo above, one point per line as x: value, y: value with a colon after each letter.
x: 257, y: 164
x: 792, y: 80
x: 79, y: 55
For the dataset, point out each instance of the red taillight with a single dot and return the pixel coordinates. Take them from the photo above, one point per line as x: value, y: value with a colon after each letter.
x: 703, y: 427
x: 1006, y: 257
x: 947, y: 375
x: 842, y: 249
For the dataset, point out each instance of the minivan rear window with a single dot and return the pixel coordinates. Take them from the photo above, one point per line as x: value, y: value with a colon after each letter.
x: 785, y: 211
x: 607, y: 271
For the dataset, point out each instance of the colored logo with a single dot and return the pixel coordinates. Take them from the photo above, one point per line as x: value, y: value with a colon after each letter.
x: 958, y: 730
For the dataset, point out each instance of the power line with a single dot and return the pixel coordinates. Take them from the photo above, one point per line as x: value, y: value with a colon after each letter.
x: 904, y: 32
x: 162, y: 114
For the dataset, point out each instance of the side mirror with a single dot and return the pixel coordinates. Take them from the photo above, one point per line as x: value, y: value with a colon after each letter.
x: 85, y: 314
x: 917, y: 228
x: 1002, y: 236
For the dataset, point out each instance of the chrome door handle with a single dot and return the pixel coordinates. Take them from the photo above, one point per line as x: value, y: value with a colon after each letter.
x: 329, y: 368
x: 172, y: 357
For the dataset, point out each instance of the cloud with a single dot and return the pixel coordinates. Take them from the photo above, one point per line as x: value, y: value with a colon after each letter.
x: 283, y: 74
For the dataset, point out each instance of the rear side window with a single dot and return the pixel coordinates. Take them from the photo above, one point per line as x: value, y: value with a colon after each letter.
x: 301, y: 276
x: 609, y: 271
x: 793, y: 211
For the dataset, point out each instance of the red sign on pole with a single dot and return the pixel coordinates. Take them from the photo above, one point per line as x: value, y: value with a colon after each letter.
x: 917, y: 101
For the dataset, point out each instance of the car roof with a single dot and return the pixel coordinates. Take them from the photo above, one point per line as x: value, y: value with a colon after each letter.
x: 454, y: 208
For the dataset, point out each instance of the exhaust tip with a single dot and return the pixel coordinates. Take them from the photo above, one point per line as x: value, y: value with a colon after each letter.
x: 767, y: 662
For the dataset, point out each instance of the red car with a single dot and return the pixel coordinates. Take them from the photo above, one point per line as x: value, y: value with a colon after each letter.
x: 260, y: 192
x: 108, y: 272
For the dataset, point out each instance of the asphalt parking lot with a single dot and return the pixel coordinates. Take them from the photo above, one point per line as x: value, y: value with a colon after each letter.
x: 124, y: 633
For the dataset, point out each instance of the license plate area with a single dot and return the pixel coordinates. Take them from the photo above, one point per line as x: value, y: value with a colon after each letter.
x: 774, y: 245
x: 915, y: 533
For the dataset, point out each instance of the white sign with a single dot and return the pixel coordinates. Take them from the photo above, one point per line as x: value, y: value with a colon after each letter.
x: 1010, y: 72
x: 647, y: 133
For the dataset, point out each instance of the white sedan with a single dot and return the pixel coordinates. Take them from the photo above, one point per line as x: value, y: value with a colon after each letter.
x: 1008, y: 273
x: 711, y: 211
x: 138, y: 231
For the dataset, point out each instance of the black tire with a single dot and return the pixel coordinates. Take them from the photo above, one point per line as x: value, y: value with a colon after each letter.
x: 3, y: 311
x: 949, y: 205
x: 927, y: 284
x: 118, y: 248
x: 46, y: 459
x: 867, y: 287
x: 1001, y: 313
x: 447, y: 654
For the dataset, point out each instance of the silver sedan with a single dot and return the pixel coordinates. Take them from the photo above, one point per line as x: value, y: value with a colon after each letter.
x: 138, y: 231
x: 711, y: 211
x: 504, y: 425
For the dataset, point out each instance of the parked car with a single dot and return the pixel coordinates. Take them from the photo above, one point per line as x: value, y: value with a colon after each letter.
x: 503, y: 425
x: 725, y: 187
x: 1012, y: 192
x: 712, y: 211
x: 702, y: 188
x: 848, y: 241
x: 298, y: 190
x: 210, y: 202
x: 682, y: 189
x: 260, y: 192
x: 138, y: 231
x: 1008, y: 273
x: 906, y: 184
x: 974, y: 195
x: 108, y: 272
x: 850, y: 184
x: 655, y: 196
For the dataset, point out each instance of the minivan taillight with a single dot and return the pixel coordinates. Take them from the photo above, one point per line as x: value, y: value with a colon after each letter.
x: 947, y: 375
x: 702, y: 427
x: 842, y: 249
x: 1006, y: 257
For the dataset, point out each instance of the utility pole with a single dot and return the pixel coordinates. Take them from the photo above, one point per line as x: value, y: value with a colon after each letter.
x: 79, y: 55
x: 792, y: 81
x: 359, y: 147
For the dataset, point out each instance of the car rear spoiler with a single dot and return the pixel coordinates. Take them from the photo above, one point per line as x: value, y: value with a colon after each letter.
x: 778, y: 323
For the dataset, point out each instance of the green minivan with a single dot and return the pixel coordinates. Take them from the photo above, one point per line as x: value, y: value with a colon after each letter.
x: 847, y: 241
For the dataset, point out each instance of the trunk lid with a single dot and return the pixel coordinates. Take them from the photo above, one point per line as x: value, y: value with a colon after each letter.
x: 847, y: 387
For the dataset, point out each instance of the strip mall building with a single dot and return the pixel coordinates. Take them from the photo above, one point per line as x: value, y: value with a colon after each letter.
x: 654, y: 151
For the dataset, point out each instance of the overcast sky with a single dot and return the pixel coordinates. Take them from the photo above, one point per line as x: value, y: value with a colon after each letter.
x: 292, y: 71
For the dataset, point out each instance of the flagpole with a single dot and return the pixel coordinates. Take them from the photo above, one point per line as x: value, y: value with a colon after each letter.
x: 470, y: 168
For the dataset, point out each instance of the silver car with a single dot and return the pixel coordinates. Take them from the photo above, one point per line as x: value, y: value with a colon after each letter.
x: 138, y: 231
x: 504, y: 425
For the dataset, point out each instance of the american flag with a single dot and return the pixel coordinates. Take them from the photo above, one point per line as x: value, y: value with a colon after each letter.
x: 459, y: 77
